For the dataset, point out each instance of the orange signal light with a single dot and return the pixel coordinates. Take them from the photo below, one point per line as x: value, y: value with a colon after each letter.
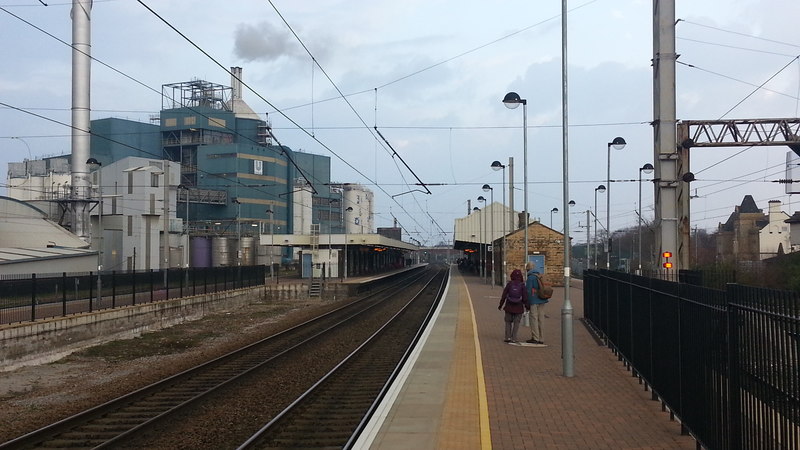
x: 668, y: 265
x: 667, y: 254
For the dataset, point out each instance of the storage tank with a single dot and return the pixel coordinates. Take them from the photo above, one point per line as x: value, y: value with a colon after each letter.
x: 248, y: 248
x: 201, y: 251
x: 220, y: 252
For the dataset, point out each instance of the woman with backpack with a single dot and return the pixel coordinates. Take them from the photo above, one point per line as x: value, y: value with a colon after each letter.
x: 515, y: 299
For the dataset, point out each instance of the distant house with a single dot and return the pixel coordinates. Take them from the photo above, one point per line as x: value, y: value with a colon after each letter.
x: 749, y: 235
x: 774, y: 237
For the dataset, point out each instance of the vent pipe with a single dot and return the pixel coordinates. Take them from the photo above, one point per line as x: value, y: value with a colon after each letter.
x: 236, y: 83
x: 81, y: 75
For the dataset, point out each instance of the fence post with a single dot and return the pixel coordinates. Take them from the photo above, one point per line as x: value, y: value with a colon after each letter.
x: 150, y: 276
x: 133, y: 295
x: 166, y: 282
x: 734, y: 384
x: 91, y: 294
x: 113, y: 289
x: 64, y: 293
x: 33, y: 297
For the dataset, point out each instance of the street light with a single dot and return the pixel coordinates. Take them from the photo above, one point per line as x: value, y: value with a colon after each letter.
x: 618, y: 143
x: 512, y: 100
x: 647, y: 168
x: 487, y: 188
x: 95, y: 166
x: 497, y: 165
x: 480, y: 232
x: 599, y: 189
x: 483, y: 237
x: 554, y: 210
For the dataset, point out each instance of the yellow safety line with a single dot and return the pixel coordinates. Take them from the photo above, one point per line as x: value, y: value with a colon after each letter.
x: 483, y: 405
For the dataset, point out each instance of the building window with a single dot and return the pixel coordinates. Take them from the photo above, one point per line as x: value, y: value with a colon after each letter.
x: 154, y: 179
x: 130, y: 225
x: 130, y: 182
x: 171, y: 122
x: 216, y: 122
x: 190, y: 120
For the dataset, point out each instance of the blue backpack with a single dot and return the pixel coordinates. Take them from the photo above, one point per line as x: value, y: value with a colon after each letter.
x: 515, y: 291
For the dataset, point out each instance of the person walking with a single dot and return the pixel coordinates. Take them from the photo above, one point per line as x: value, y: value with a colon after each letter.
x: 535, y: 305
x: 515, y: 298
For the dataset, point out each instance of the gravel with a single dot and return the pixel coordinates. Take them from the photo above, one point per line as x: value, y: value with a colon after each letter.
x: 36, y: 396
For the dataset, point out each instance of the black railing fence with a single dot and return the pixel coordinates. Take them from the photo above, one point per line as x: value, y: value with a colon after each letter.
x: 56, y: 295
x: 725, y: 362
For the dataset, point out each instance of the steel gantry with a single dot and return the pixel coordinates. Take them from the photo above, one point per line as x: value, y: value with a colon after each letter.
x: 721, y: 133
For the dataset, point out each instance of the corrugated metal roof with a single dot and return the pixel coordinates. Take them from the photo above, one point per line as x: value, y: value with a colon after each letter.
x: 10, y: 255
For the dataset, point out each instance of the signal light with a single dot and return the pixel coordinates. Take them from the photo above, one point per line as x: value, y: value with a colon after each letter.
x: 667, y: 256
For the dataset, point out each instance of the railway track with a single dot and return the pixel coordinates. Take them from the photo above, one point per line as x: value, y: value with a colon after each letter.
x: 333, y: 412
x: 134, y: 417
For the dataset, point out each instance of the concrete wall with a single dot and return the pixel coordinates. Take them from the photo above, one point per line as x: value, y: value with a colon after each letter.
x: 49, y: 340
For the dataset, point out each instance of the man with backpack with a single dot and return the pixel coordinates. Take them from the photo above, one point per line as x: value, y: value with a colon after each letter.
x: 515, y: 297
x: 536, y: 302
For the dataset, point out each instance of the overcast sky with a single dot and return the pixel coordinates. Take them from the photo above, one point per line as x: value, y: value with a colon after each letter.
x: 431, y: 76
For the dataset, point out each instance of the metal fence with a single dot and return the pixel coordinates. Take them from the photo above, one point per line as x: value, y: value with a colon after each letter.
x: 725, y: 362
x: 44, y: 296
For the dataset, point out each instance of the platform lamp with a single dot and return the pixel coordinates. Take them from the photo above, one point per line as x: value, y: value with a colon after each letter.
x: 618, y: 143
x: 512, y: 100
x: 482, y: 199
x: 599, y: 189
x: 487, y: 188
x: 497, y: 165
x: 554, y: 210
x: 648, y: 169
x: 95, y: 166
x: 480, y: 232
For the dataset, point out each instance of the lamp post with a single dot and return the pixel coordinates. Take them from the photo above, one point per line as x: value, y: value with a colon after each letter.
x: 487, y: 188
x: 483, y: 237
x: 271, y: 243
x: 647, y: 168
x: 480, y: 231
x: 97, y: 167
x: 618, y: 143
x: 349, y: 209
x: 496, y: 165
x: 554, y: 210
x: 599, y: 189
x: 512, y: 100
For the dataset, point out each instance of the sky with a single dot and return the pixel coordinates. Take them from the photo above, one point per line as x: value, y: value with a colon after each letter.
x: 431, y: 75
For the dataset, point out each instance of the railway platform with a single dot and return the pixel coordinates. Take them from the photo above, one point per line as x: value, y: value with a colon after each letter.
x: 465, y: 388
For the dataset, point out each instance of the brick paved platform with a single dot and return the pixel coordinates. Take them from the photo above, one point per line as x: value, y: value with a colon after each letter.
x: 467, y: 389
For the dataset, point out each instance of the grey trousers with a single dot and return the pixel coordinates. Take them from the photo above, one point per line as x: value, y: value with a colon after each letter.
x: 512, y: 325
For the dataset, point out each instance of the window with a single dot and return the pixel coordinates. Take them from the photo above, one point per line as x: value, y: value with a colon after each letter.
x: 190, y: 120
x: 214, y: 122
x: 154, y: 179
x: 130, y: 225
x: 130, y: 182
